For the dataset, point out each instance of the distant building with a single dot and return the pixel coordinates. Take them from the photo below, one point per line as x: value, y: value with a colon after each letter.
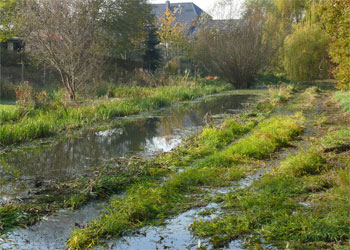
x: 193, y: 17
x: 13, y: 44
x: 186, y: 13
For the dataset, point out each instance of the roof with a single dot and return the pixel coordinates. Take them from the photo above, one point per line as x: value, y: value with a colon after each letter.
x: 209, y: 24
x: 186, y: 13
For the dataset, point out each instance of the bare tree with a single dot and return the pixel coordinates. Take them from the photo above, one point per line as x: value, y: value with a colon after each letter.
x: 234, y: 49
x: 65, y: 34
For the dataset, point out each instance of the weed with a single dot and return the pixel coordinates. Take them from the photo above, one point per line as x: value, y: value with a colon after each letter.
x: 280, y: 94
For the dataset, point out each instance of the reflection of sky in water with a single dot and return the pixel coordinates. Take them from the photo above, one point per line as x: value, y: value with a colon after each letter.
x: 162, y: 144
x: 76, y: 157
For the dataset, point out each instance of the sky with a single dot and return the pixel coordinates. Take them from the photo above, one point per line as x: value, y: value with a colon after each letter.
x: 206, y: 5
x: 203, y: 4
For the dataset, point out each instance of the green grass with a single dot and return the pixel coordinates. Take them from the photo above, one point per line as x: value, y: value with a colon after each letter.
x: 266, y: 139
x: 74, y: 194
x: 18, y: 125
x: 210, y: 139
x: 337, y: 141
x: 309, y: 162
x: 343, y: 98
x: 280, y: 94
x: 147, y: 202
x: 271, y: 210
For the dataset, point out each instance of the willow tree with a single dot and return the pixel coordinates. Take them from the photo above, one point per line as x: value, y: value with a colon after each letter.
x: 335, y: 16
x: 305, y: 53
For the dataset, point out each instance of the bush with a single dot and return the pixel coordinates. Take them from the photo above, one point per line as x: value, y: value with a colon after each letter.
x: 7, y: 91
x: 25, y: 95
x: 236, y: 54
x: 305, y: 53
x: 335, y: 16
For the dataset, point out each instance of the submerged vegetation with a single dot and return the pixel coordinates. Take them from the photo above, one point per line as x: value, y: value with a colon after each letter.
x: 311, y: 183
x: 302, y: 203
x: 25, y: 124
x: 292, y: 146
x: 148, y: 201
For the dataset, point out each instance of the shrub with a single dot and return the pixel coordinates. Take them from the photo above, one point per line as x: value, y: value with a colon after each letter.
x: 335, y: 16
x: 305, y: 53
x: 25, y: 95
x: 7, y: 91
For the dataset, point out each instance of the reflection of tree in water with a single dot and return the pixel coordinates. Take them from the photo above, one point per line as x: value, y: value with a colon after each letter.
x: 192, y: 114
x: 74, y: 157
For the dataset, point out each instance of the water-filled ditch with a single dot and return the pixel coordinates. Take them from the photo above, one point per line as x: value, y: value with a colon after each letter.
x: 24, y: 168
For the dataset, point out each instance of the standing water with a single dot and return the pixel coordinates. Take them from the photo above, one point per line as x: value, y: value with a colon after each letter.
x: 65, y: 159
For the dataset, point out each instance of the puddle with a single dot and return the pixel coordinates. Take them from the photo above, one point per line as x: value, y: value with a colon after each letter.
x: 70, y: 158
x: 52, y: 232
x: 22, y: 168
x: 175, y: 235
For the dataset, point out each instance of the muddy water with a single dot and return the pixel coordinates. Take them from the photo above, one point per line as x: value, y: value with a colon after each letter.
x: 176, y: 235
x: 25, y: 168
x: 52, y: 232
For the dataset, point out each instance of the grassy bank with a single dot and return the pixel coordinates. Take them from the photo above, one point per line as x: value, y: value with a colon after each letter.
x: 344, y: 99
x: 111, y: 180
x: 149, y: 202
x: 25, y: 124
x: 304, y: 202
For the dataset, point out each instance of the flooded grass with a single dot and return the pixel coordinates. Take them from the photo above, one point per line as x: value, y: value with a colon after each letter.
x: 303, y: 203
x: 106, y: 182
x: 300, y: 205
x: 146, y: 202
x: 19, y: 125
x: 210, y: 139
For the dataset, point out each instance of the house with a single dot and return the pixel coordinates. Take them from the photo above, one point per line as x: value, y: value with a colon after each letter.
x: 13, y: 44
x: 186, y: 13
x: 193, y: 17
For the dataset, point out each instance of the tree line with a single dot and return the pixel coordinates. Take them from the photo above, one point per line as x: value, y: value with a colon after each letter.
x: 300, y: 39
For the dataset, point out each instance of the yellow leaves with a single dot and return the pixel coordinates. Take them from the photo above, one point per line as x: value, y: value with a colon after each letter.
x: 170, y: 32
